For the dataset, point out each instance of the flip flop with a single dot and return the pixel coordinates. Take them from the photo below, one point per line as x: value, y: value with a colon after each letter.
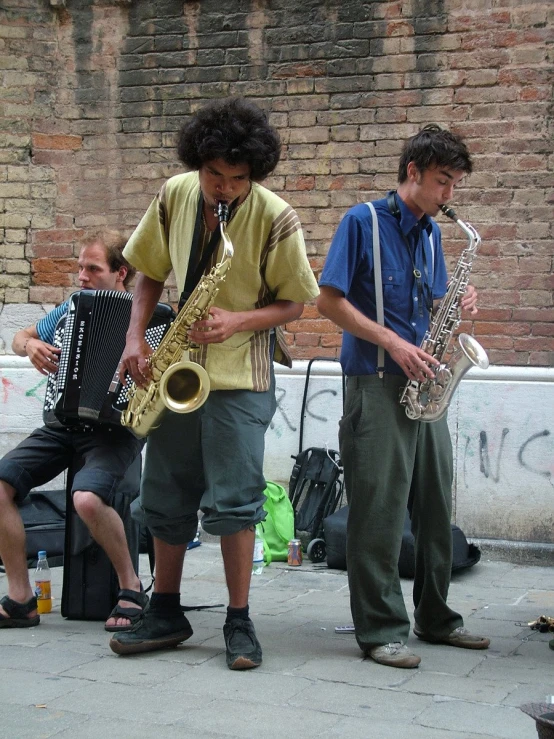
x: 133, y: 614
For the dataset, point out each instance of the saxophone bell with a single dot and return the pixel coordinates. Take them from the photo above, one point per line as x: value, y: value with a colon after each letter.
x: 184, y: 387
x: 468, y: 354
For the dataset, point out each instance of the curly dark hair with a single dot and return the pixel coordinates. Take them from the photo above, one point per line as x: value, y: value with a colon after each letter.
x: 434, y: 146
x: 232, y: 129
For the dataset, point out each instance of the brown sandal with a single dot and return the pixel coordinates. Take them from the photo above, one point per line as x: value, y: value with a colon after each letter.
x: 18, y: 614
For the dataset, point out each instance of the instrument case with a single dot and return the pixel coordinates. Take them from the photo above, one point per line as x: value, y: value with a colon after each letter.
x: 464, y: 554
x: 90, y: 585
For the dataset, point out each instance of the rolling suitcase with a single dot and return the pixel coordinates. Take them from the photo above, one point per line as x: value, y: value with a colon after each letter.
x: 316, y: 483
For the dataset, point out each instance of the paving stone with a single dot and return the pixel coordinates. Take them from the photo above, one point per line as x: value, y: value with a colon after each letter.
x: 312, y: 682
x: 32, y: 722
x: 498, y: 721
x: 356, y: 728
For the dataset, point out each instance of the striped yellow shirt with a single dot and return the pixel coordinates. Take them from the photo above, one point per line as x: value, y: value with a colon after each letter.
x: 269, y: 264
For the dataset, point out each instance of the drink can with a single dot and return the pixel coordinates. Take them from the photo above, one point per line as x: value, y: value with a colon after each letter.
x: 295, y: 553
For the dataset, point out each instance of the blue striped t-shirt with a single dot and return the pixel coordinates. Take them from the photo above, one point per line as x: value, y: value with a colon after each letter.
x: 47, y: 325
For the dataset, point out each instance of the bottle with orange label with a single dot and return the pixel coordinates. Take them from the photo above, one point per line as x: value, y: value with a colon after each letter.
x: 43, y: 578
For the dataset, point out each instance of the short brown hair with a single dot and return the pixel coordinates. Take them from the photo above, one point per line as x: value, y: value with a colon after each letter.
x: 434, y: 146
x: 113, y: 242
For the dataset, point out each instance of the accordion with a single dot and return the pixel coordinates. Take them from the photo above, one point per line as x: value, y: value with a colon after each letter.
x: 86, y: 389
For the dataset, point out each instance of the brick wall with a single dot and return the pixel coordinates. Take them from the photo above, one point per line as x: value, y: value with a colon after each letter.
x: 93, y: 92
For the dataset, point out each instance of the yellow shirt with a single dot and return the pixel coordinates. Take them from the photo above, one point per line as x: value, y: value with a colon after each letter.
x: 269, y: 264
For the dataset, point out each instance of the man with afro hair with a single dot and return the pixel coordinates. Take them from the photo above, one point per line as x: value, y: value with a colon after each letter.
x: 212, y: 459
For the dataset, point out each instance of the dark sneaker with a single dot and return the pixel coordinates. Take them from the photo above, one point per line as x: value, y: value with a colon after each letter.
x: 394, y: 654
x: 460, y: 637
x: 154, y: 631
x: 243, y: 648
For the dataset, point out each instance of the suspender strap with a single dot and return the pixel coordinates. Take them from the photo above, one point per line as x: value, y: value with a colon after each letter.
x: 378, y: 286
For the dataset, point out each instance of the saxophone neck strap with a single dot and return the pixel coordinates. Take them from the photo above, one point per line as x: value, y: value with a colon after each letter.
x: 195, y: 274
x: 423, y: 284
x: 393, y: 205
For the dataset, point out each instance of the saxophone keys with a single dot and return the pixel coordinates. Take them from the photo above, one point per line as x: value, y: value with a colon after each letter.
x: 443, y: 376
x: 435, y: 393
x: 438, y: 386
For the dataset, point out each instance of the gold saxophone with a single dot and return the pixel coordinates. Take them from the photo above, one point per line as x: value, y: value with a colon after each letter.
x: 178, y: 383
x: 429, y: 400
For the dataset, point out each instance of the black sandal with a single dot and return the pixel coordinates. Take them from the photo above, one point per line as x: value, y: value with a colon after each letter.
x: 18, y: 614
x: 133, y: 614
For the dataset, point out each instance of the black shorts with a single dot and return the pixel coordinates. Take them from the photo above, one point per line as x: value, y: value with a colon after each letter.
x: 104, y: 454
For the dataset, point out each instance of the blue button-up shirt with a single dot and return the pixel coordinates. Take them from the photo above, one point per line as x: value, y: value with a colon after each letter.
x: 405, y: 245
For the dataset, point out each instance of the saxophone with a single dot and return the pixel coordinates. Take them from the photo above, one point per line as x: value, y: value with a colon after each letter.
x: 429, y: 400
x: 178, y: 383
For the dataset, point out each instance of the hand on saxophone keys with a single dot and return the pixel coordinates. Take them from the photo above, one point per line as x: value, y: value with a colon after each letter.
x: 468, y: 301
x: 220, y: 325
x: 416, y: 363
x: 136, y: 363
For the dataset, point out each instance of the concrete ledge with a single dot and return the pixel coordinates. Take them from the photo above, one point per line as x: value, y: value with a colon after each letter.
x: 517, y: 552
x: 500, y: 421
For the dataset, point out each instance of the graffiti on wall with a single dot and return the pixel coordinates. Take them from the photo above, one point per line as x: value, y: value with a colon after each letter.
x: 528, y: 458
x: 313, y: 411
x: 21, y: 402
x: 498, y: 443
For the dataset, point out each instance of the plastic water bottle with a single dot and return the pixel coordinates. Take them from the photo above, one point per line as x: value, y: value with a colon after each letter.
x: 258, y: 558
x: 43, y: 590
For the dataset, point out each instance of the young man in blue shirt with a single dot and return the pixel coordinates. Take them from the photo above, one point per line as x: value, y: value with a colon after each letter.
x: 391, y: 461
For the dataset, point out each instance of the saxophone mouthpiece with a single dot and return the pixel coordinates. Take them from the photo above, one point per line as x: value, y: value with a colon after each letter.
x: 449, y: 212
x: 222, y: 211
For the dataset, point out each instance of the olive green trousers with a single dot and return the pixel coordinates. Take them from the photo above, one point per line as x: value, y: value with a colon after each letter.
x: 390, y: 463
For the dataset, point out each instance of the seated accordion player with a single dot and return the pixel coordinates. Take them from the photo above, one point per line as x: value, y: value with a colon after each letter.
x: 86, y: 389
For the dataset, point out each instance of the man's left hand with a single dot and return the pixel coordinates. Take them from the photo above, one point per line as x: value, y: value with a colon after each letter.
x: 217, y: 328
x: 468, y: 301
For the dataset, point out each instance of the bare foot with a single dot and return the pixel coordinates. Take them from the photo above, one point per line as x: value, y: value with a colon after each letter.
x: 117, y: 619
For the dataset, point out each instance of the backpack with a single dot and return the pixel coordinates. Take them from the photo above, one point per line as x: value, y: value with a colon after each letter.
x: 278, y: 528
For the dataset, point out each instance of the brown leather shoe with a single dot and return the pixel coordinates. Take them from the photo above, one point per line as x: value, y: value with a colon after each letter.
x: 395, y: 654
x: 460, y: 637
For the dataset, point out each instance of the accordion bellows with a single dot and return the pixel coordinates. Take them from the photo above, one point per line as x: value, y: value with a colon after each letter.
x: 86, y: 388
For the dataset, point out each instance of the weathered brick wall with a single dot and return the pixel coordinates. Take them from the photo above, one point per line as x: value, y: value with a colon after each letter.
x: 94, y: 90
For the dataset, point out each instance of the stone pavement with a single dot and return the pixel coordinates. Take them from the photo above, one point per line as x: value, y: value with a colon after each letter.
x: 61, y: 679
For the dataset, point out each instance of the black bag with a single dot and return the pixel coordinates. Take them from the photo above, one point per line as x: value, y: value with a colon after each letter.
x: 90, y: 585
x: 334, y: 529
x: 43, y: 515
x: 463, y: 554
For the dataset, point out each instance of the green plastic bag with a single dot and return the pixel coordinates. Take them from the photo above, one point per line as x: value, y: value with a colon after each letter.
x: 278, y: 528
